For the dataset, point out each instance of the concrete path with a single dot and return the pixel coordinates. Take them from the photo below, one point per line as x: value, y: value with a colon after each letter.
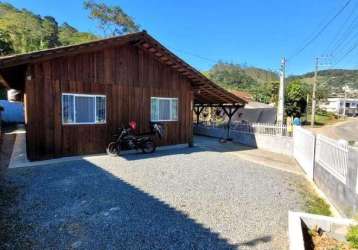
x: 205, y: 197
x: 259, y: 156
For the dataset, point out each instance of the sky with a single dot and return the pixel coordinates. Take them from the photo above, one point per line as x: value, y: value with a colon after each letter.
x: 255, y: 33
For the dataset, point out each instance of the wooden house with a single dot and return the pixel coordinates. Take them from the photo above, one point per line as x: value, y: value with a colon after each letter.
x: 75, y: 97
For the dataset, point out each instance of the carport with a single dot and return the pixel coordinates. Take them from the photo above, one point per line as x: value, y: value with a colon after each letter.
x: 207, y: 95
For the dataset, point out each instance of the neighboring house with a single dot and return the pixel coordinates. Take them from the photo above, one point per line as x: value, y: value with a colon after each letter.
x: 254, y: 112
x: 77, y: 96
x: 339, y: 105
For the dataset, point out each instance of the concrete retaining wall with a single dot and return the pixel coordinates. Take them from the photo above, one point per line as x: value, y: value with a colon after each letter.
x: 343, y: 196
x: 211, y: 132
x: 276, y: 144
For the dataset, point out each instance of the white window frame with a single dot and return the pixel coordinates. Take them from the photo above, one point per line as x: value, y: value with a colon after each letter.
x: 74, y: 109
x: 170, y: 109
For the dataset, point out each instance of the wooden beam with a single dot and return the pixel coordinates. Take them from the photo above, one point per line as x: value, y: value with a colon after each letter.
x: 4, y: 82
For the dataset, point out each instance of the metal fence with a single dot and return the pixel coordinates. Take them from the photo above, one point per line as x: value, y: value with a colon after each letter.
x: 261, y: 128
x: 333, y: 156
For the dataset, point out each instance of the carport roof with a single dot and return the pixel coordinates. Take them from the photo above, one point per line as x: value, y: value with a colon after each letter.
x: 205, y: 91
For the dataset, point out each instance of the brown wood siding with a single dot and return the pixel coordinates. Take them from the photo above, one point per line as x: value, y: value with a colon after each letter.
x: 127, y: 75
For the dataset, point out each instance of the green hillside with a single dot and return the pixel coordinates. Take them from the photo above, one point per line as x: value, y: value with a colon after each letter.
x: 237, y: 77
x: 22, y: 31
x: 334, y: 79
x: 260, y: 82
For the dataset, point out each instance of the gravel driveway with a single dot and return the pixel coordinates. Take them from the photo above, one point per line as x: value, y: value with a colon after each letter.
x: 192, y: 198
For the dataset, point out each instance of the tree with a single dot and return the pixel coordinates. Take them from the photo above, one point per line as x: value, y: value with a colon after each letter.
x: 49, y: 33
x: 69, y: 35
x: 23, y: 31
x: 267, y: 92
x: 295, y: 99
x: 112, y: 20
x: 230, y: 76
x: 5, y: 44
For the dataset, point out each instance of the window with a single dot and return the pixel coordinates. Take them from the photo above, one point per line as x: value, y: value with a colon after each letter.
x: 164, y: 109
x: 83, y: 109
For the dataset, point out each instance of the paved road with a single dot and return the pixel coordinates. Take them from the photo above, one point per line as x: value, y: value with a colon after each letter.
x: 347, y: 130
x: 193, y: 198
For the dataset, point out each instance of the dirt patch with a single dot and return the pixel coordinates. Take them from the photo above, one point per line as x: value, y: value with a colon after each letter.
x: 317, y: 239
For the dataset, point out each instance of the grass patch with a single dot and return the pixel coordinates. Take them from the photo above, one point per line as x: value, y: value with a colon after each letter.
x: 316, y: 205
x: 323, y: 119
x: 312, y: 202
x: 352, y: 236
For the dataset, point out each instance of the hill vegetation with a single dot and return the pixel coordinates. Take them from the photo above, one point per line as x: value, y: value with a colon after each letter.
x: 22, y: 31
x: 333, y: 79
x: 260, y: 83
x: 236, y: 76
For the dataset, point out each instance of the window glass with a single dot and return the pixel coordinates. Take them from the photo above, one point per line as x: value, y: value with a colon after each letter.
x: 83, y: 109
x: 100, y: 109
x: 164, y: 109
x: 84, y: 106
x: 174, y: 110
x: 67, y: 109
x: 154, y: 110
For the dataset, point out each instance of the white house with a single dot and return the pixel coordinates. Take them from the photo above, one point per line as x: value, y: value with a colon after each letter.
x: 339, y: 105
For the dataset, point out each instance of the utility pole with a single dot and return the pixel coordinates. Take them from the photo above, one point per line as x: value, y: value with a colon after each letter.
x: 307, y: 101
x: 344, y: 102
x: 317, y: 63
x: 314, y: 94
x: 281, y: 93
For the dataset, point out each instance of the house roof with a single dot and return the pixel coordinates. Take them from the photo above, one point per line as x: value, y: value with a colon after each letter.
x: 206, y: 92
x: 242, y: 94
x: 258, y: 105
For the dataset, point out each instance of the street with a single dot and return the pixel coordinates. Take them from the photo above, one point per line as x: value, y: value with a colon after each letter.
x: 347, y: 130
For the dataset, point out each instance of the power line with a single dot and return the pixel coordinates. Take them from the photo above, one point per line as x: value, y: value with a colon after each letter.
x: 320, y: 31
x: 337, y: 37
x: 195, y: 55
x: 347, y: 53
x: 346, y: 36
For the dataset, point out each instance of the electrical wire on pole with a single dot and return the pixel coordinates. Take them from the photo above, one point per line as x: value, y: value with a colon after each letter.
x: 309, y: 42
x: 315, y: 82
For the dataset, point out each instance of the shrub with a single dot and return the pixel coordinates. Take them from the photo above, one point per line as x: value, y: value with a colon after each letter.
x: 316, y: 205
x: 352, y: 236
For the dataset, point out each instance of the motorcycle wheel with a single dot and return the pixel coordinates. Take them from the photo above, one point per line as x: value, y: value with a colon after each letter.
x: 148, y: 147
x: 113, y: 149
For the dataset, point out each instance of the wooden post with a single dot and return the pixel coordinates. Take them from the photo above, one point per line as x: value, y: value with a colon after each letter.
x: 230, y: 112
x: 197, y: 111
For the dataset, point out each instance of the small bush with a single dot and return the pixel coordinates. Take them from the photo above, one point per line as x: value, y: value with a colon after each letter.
x: 352, y: 236
x: 316, y: 205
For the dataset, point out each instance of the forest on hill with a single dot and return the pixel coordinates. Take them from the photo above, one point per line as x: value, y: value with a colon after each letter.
x: 260, y: 83
x: 22, y: 31
x: 256, y: 81
x: 334, y: 79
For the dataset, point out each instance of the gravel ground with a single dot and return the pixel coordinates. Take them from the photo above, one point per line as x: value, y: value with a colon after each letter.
x: 189, y: 198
